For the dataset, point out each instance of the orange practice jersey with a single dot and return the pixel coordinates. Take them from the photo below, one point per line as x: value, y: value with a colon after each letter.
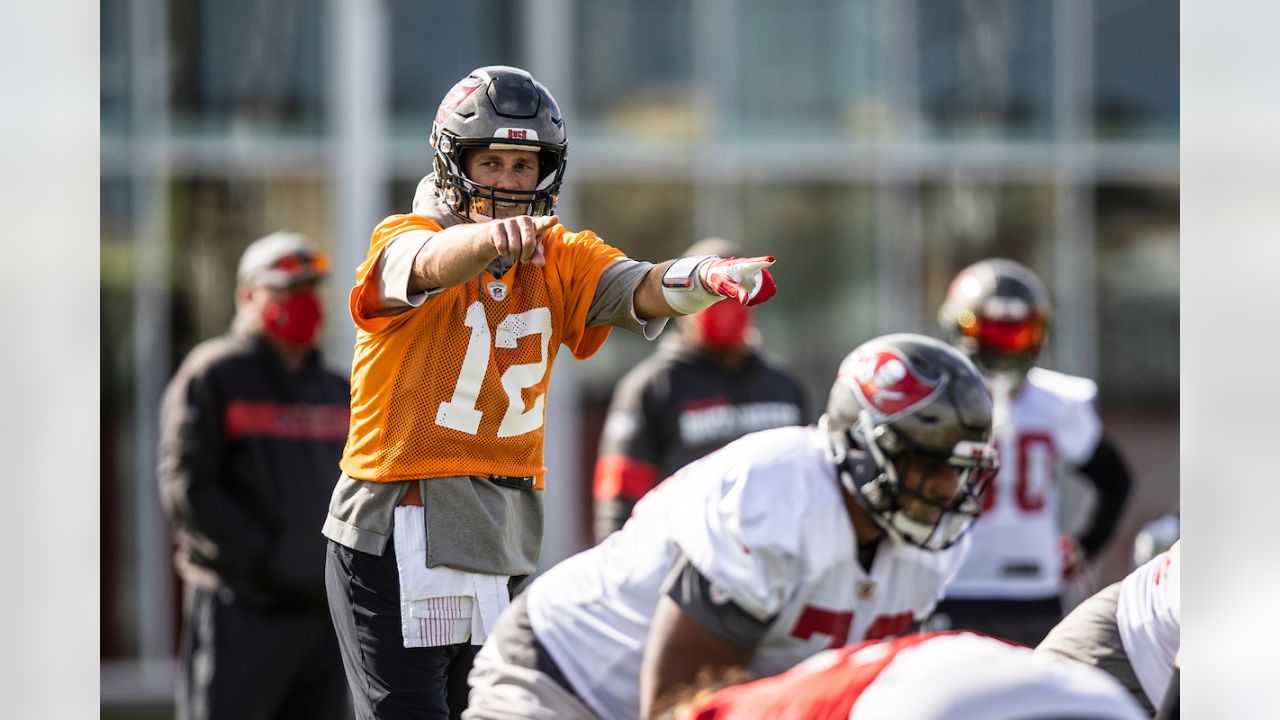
x: 458, y: 385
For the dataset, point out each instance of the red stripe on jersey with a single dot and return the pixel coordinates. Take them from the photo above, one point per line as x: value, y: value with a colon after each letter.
x: 619, y: 476
x: 280, y: 420
x: 704, y: 403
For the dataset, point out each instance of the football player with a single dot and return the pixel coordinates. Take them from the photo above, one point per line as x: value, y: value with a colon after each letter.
x: 461, y: 308
x: 1011, y: 585
x: 1132, y: 629
x: 925, y: 676
x: 779, y: 545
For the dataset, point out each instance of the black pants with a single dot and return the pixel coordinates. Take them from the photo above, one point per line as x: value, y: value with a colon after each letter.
x: 388, y: 680
x: 240, y: 663
x: 1022, y: 621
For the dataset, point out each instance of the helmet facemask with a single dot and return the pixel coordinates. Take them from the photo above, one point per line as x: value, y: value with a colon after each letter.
x: 873, y: 456
x: 477, y: 201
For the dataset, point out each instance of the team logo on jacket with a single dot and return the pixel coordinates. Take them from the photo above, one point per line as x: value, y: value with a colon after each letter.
x: 885, y: 380
x: 498, y: 291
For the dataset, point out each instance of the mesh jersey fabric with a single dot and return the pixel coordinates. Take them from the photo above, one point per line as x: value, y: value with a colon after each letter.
x: 458, y: 385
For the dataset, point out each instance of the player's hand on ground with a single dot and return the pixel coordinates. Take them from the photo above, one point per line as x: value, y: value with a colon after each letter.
x: 520, y: 238
x: 744, y: 279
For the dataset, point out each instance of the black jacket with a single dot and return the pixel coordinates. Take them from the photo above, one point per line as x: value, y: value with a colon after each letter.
x: 248, y: 456
x: 673, y: 408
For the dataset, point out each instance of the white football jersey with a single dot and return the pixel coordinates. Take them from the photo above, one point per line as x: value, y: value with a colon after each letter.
x: 1014, y: 554
x: 1149, y: 615
x: 764, y: 521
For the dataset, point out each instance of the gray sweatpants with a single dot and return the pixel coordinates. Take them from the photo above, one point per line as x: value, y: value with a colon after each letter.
x: 514, y: 678
x: 1089, y: 634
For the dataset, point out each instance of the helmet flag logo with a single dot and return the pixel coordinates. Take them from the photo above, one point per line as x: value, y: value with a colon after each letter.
x: 885, y: 381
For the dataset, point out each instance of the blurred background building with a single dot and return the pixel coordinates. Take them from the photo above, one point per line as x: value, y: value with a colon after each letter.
x: 875, y: 146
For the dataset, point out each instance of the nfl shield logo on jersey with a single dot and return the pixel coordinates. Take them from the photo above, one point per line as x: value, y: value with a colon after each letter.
x: 498, y: 291
x: 866, y: 589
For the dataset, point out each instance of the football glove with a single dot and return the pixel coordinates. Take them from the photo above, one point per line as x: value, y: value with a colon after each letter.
x: 746, y: 280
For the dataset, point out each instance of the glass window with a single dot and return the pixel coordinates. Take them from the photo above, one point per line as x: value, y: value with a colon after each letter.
x: 116, y: 413
x: 434, y: 45
x: 809, y: 70
x: 823, y: 235
x: 651, y: 221
x: 634, y: 67
x: 1136, y: 69
x: 1137, y: 259
x: 114, y: 73
x: 212, y: 223
x: 399, y: 197
x: 963, y: 221
x: 986, y: 68
x: 247, y: 65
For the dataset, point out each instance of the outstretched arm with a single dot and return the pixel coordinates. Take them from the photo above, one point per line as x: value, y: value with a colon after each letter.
x: 687, y: 285
x: 458, y: 253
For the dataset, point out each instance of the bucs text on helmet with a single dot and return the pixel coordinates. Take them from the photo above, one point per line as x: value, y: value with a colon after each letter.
x: 907, y: 401
x: 997, y: 312
x: 498, y: 107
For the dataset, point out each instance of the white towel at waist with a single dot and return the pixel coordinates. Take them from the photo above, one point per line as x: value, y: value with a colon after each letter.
x: 440, y: 605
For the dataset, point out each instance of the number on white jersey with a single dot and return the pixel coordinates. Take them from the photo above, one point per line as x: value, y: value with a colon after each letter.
x: 815, y: 620
x: 1032, y: 473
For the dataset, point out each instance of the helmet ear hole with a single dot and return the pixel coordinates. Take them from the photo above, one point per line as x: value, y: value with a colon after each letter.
x: 861, y: 466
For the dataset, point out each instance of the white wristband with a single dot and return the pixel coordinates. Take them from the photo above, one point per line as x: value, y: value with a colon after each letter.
x: 682, y: 286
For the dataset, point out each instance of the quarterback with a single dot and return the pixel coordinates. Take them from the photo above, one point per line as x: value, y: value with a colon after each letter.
x: 460, y: 309
x: 782, y: 544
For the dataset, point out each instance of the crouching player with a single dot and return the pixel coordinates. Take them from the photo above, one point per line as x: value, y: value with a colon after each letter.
x: 780, y: 545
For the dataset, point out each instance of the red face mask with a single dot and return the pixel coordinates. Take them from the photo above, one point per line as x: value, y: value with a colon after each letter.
x: 295, y: 319
x: 723, y: 326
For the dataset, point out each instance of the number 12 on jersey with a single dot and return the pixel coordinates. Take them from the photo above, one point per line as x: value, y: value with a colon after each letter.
x: 459, y: 412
